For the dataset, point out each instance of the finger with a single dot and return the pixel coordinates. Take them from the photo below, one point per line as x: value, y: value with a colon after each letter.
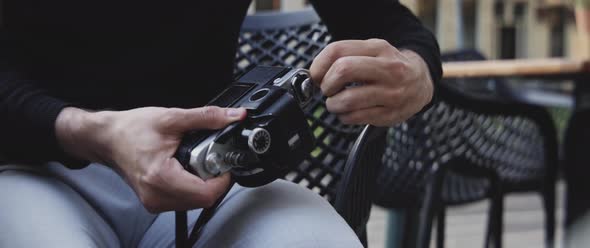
x: 218, y: 185
x: 339, y: 49
x: 356, y: 69
x: 357, y: 98
x: 377, y: 116
x: 209, y: 117
x: 191, y: 191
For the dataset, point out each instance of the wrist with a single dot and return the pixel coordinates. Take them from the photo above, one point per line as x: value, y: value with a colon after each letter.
x: 423, y: 75
x: 82, y: 134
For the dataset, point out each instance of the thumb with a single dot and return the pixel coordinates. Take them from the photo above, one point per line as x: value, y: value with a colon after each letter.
x: 209, y: 117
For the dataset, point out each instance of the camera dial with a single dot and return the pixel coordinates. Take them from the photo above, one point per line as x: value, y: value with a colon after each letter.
x: 258, y: 139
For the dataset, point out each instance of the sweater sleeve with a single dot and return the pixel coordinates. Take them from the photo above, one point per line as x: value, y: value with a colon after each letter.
x: 385, y: 19
x: 27, y: 112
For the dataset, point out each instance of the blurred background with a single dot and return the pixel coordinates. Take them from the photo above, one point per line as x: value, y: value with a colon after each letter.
x: 506, y: 29
x: 499, y: 29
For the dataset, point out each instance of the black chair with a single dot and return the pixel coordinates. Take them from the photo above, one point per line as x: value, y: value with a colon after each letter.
x: 480, y: 140
x: 576, y: 143
x: 343, y: 164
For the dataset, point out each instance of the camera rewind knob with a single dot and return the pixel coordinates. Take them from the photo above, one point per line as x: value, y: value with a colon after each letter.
x: 258, y: 139
x: 307, y: 89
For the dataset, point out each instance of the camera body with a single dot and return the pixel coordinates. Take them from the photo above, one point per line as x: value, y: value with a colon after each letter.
x: 274, y: 137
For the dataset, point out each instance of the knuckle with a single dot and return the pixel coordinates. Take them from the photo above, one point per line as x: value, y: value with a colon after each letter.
x: 171, y: 116
x: 394, y: 66
x: 331, y: 105
x: 152, y: 178
x: 342, y: 67
x: 345, y: 100
x: 394, y: 96
x: 392, y: 93
x: 175, y: 111
x: 404, y: 68
x: 339, y: 103
x: 379, y: 43
x: 213, y: 116
x: 334, y: 50
x: 210, y: 112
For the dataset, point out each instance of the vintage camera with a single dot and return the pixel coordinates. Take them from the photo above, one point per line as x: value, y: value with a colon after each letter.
x: 274, y: 137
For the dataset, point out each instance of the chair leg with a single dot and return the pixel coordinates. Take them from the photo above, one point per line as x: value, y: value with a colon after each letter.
x: 489, y: 227
x: 549, y: 207
x: 430, y: 207
x: 425, y: 225
x: 500, y: 222
x: 440, y: 228
x: 495, y: 220
x: 410, y: 230
x: 395, y: 228
x: 363, y: 238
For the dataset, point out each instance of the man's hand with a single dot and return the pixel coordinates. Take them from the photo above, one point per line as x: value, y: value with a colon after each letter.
x: 394, y: 85
x: 140, y: 145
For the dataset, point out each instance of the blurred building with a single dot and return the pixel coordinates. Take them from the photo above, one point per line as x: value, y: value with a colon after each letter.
x: 498, y: 28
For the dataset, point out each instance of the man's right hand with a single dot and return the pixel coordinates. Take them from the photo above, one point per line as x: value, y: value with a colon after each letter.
x: 140, y: 145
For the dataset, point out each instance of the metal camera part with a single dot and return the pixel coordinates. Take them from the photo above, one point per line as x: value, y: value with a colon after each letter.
x: 275, y: 98
x: 298, y: 82
x: 307, y: 88
x: 198, y: 156
x: 258, y: 140
x: 213, y: 163
x: 208, y: 158
x: 249, y: 172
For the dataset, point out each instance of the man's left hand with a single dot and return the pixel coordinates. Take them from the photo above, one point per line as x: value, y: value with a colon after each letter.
x: 391, y: 85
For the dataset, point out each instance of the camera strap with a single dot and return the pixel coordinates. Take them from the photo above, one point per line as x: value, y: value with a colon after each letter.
x: 184, y: 241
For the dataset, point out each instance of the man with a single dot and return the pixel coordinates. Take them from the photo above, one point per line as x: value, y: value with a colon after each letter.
x: 115, y: 84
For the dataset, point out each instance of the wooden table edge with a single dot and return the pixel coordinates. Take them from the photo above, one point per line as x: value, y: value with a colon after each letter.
x: 516, y: 68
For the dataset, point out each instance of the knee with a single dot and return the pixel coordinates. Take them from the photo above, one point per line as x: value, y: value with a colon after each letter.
x: 305, y: 219
x: 283, y: 214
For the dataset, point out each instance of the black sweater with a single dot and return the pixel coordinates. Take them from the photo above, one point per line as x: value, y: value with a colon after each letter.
x: 128, y: 53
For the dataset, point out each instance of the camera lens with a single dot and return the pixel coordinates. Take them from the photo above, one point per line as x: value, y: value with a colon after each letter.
x: 259, y: 95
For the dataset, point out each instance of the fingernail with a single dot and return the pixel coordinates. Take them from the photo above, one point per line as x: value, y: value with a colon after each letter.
x: 234, y: 112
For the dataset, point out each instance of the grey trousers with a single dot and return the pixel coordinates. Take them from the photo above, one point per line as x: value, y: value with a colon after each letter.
x: 52, y: 206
